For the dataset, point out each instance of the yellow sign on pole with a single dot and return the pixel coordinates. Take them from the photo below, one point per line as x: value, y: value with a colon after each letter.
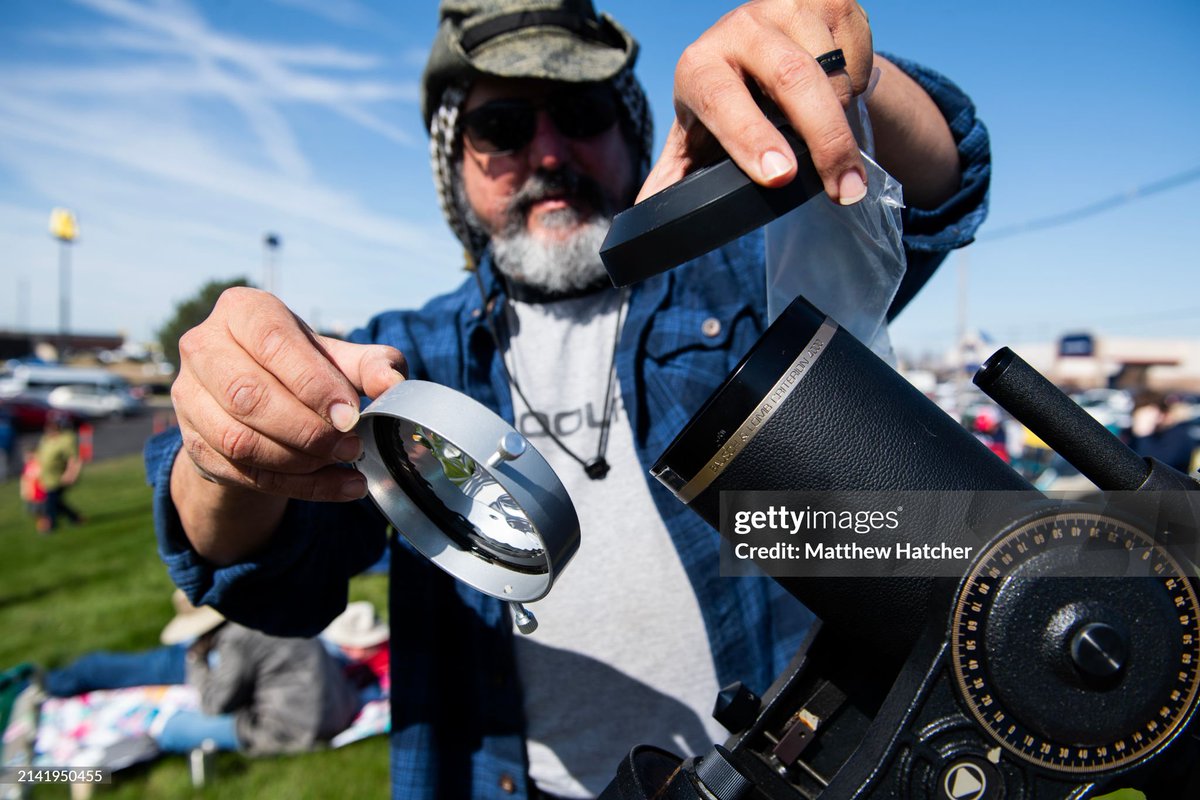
x: 63, y: 226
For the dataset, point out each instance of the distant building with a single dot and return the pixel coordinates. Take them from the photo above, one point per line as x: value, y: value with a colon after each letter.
x: 18, y: 344
x: 1088, y: 361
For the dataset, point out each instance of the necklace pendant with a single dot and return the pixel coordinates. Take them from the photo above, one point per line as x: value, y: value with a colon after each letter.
x: 597, y: 468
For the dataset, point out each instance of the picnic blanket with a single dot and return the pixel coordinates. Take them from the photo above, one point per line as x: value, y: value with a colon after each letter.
x: 115, y: 728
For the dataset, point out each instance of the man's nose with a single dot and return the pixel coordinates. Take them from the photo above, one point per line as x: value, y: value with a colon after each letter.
x: 549, y: 149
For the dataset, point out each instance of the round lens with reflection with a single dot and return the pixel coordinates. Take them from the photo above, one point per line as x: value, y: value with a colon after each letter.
x: 495, y: 525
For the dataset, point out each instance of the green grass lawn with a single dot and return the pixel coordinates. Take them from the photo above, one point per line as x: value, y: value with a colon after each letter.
x: 101, y: 586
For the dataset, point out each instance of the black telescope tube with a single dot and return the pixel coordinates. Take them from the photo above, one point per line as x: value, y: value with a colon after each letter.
x: 810, y: 408
x: 1058, y: 421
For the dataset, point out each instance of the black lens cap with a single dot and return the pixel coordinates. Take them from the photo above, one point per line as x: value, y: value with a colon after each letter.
x: 705, y: 210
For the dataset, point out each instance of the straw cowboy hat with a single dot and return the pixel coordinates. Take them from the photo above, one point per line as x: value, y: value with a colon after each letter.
x: 190, y: 622
x: 357, y: 626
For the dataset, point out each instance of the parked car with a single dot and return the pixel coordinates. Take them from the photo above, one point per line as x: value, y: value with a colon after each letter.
x: 1111, y: 407
x: 29, y: 413
x: 95, y: 400
x: 38, y: 380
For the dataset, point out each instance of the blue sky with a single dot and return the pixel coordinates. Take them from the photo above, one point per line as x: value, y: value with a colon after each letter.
x: 181, y: 131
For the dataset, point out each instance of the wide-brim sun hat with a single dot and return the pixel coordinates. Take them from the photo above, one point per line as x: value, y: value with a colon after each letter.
x: 357, y: 626
x: 190, y: 622
x: 558, y: 40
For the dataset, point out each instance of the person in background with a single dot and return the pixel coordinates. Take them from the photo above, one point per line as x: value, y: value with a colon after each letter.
x: 988, y: 429
x: 60, y: 466
x: 259, y: 694
x: 1157, y: 431
x: 33, y: 494
x: 9, y: 456
x: 360, y: 639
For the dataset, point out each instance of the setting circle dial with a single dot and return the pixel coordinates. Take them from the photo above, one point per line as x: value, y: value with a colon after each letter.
x: 1065, y: 665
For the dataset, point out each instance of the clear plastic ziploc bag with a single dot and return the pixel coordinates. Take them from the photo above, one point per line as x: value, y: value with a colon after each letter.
x: 845, y: 260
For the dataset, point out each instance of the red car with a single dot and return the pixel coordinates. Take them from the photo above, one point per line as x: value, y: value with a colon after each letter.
x: 29, y: 413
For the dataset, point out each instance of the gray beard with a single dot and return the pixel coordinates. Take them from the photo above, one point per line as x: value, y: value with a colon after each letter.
x: 557, y: 266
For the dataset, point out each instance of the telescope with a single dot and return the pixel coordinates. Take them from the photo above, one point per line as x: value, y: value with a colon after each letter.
x: 1058, y: 661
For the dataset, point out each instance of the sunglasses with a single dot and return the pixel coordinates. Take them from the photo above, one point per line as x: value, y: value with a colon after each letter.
x: 506, y: 126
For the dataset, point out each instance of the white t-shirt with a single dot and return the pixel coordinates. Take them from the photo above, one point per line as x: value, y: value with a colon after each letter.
x: 621, y: 656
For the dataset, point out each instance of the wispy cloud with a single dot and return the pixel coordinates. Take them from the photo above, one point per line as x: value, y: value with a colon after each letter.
x: 253, y: 76
x: 349, y: 13
x: 166, y: 150
x: 186, y: 142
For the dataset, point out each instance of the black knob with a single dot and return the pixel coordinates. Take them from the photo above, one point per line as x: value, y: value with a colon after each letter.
x: 1099, y: 651
x: 736, y: 707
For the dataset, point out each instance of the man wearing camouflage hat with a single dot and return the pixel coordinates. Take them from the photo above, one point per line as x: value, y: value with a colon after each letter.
x: 539, y: 133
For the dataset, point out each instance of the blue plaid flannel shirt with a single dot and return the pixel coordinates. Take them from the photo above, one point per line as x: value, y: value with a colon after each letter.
x: 457, y: 717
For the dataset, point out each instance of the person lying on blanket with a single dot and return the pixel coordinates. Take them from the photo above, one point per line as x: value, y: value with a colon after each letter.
x: 259, y: 694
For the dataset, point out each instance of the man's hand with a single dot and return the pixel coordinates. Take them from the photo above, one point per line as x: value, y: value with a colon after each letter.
x: 266, y: 404
x: 772, y: 44
x: 267, y: 408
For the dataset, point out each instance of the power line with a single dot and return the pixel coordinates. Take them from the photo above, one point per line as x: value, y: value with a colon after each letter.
x: 1091, y: 209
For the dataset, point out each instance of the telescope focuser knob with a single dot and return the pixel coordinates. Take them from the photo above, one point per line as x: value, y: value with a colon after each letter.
x: 736, y: 707
x: 722, y: 780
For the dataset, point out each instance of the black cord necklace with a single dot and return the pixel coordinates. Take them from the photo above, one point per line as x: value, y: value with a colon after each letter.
x: 597, y: 467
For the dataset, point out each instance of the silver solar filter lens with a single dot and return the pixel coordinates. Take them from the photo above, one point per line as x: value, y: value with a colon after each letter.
x: 467, y: 491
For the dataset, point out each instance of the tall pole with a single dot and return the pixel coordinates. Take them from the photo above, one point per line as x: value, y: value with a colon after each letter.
x: 960, y: 379
x: 23, y: 304
x: 271, y: 243
x: 64, y: 228
x: 64, y: 290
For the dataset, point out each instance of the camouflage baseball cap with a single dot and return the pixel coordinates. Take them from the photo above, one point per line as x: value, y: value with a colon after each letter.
x: 562, y: 40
